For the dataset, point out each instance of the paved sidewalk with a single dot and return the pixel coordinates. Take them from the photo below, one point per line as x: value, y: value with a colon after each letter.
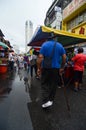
x: 58, y: 117
x: 28, y: 94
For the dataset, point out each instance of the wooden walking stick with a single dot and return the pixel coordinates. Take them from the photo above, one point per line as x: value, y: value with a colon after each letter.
x: 65, y: 94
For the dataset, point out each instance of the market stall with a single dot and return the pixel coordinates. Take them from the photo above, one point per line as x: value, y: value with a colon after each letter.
x: 42, y: 33
x: 3, y: 57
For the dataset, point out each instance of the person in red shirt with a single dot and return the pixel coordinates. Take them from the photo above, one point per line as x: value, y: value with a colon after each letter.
x: 79, y: 61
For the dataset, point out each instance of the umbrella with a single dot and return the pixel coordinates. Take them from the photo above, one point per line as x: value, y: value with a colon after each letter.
x: 3, y: 45
x: 65, y: 38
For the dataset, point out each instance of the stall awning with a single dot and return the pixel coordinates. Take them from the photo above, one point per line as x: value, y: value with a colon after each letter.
x: 42, y: 33
x: 3, y: 45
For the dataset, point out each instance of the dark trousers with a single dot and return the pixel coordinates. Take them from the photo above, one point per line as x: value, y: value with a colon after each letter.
x: 33, y: 67
x: 11, y: 65
x: 49, y: 81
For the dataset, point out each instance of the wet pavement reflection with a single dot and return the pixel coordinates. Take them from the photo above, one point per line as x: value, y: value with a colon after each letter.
x: 14, y: 114
x: 20, y: 105
x: 58, y: 117
x: 6, y: 81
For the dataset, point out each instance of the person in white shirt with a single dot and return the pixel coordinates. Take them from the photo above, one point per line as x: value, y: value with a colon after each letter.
x: 11, y: 61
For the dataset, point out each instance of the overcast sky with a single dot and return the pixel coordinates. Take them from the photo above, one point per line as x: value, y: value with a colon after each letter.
x: 14, y: 13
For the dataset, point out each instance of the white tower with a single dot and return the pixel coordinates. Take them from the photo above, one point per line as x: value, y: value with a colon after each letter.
x: 28, y: 33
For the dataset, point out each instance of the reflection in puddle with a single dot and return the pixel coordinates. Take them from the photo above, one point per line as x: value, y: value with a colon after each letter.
x: 6, y: 81
x: 26, y: 83
x: 34, y: 90
x: 20, y: 73
x: 5, y: 91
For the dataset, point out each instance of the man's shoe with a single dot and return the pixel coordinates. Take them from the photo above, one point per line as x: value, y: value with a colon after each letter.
x: 59, y: 86
x: 37, y: 77
x: 47, y: 104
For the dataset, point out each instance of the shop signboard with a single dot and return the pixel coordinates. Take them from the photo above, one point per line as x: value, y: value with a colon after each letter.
x: 74, y: 5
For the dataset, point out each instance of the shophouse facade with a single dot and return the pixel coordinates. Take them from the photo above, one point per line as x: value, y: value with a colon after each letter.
x: 54, y: 14
x: 74, y: 17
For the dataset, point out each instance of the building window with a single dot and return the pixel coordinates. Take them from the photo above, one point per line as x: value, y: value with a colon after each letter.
x: 81, y: 18
x: 76, y: 21
x: 85, y: 16
x: 52, y: 17
x: 71, y: 24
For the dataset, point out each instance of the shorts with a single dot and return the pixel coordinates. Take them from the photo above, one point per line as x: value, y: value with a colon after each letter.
x: 78, y: 76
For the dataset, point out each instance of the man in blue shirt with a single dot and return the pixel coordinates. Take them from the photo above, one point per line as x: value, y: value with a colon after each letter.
x: 49, y: 76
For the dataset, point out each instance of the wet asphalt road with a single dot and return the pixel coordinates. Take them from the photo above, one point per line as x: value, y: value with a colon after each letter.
x: 14, y: 114
x: 20, y: 106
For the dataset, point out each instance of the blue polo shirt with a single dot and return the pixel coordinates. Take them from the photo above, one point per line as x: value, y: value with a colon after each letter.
x: 59, y: 50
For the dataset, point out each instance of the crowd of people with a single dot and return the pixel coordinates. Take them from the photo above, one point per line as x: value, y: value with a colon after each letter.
x: 50, y: 63
x: 24, y: 61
